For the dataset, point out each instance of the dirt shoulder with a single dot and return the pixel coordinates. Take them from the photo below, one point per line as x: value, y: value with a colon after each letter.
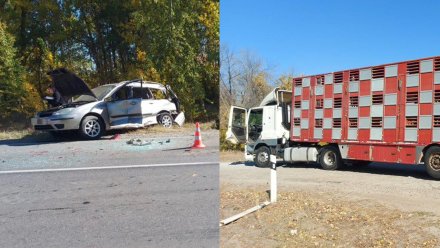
x: 378, y: 205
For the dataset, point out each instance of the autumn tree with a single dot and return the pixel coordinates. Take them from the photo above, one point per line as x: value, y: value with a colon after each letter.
x: 11, y: 75
x: 172, y: 42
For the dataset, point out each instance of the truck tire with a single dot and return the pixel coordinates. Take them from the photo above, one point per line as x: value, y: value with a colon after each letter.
x: 329, y: 158
x: 262, y: 157
x: 91, y: 128
x: 432, y: 161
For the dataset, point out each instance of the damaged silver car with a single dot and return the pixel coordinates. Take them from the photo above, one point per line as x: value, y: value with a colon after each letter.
x: 128, y: 104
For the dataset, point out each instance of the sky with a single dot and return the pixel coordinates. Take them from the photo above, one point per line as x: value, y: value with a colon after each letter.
x: 313, y: 37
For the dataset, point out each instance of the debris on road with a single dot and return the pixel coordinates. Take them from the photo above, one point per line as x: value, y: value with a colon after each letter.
x: 244, y: 213
x: 139, y: 142
x: 116, y: 136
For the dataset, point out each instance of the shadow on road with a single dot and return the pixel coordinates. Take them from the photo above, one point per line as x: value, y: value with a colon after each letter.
x: 45, y: 138
x: 403, y: 170
x: 246, y: 163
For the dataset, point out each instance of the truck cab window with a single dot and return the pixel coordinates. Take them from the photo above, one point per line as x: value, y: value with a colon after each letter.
x: 255, y: 124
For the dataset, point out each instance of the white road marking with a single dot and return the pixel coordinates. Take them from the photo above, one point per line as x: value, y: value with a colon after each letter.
x: 104, y: 167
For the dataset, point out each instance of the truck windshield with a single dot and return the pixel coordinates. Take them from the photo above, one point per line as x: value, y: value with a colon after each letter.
x: 255, y: 123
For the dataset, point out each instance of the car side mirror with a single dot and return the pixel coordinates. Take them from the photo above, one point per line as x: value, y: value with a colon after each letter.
x: 108, y: 99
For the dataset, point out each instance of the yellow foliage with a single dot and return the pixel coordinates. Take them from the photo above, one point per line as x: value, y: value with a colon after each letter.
x: 49, y: 57
x: 285, y: 82
x: 31, y: 102
x: 210, y: 18
x: 150, y: 74
x: 141, y: 55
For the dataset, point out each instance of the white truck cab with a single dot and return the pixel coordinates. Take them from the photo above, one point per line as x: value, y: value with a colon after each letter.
x: 264, y: 129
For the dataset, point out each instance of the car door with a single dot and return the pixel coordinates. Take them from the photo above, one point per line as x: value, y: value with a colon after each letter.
x: 237, y: 125
x: 117, y: 107
x: 159, y: 102
x: 134, y: 106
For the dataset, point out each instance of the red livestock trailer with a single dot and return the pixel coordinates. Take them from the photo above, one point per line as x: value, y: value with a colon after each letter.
x: 385, y: 113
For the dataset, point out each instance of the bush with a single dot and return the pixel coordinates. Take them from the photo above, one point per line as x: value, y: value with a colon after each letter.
x: 226, y: 145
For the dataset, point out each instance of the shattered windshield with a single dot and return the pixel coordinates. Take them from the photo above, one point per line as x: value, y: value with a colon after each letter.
x: 100, y: 92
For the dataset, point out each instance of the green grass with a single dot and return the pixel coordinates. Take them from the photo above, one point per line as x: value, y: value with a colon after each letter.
x: 15, y: 134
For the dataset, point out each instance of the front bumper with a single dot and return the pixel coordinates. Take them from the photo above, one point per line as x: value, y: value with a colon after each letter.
x: 180, y: 119
x: 249, y: 154
x: 55, y: 123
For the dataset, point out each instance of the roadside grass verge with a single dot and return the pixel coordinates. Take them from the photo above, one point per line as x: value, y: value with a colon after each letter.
x: 24, y: 134
x: 15, y: 134
x: 304, y: 219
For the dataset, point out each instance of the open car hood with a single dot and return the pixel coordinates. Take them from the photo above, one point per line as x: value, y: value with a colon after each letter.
x: 68, y: 84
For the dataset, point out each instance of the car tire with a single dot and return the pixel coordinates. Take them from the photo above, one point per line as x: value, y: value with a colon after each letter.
x: 165, y: 120
x: 91, y: 128
x: 262, y: 157
x: 432, y: 161
x: 329, y: 158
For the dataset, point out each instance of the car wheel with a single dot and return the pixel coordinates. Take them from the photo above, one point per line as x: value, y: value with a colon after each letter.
x: 329, y: 158
x: 166, y: 120
x: 92, y: 127
x: 432, y: 161
x: 262, y: 157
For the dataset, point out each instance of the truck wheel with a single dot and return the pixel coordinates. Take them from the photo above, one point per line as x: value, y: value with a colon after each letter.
x: 262, y: 157
x: 91, y: 127
x: 329, y: 158
x: 432, y: 161
x: 166, y: 120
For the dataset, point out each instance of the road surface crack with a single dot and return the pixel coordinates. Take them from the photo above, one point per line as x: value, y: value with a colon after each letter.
x: 50, y: 209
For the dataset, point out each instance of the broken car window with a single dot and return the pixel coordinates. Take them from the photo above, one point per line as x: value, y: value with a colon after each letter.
x: 158, y: 94
x: 143, y: 93
x: 121, y: 94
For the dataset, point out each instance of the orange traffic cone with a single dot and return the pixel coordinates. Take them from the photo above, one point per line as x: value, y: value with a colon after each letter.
x: 198, y: 138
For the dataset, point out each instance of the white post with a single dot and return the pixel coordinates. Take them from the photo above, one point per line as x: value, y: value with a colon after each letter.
x: 273, y: 179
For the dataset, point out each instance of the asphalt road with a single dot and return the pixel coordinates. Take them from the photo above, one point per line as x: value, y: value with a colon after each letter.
x: 110, y: 206
x: 161, y: 148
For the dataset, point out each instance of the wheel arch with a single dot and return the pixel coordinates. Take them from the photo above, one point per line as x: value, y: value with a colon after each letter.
x: 163, y: 112
x: 93, y: 114
x: 272, y: 150
x: 423, y: 152
x: 334, y: 145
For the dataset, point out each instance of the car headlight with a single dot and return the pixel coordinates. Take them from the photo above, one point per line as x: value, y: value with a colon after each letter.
x: 63, y: 111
